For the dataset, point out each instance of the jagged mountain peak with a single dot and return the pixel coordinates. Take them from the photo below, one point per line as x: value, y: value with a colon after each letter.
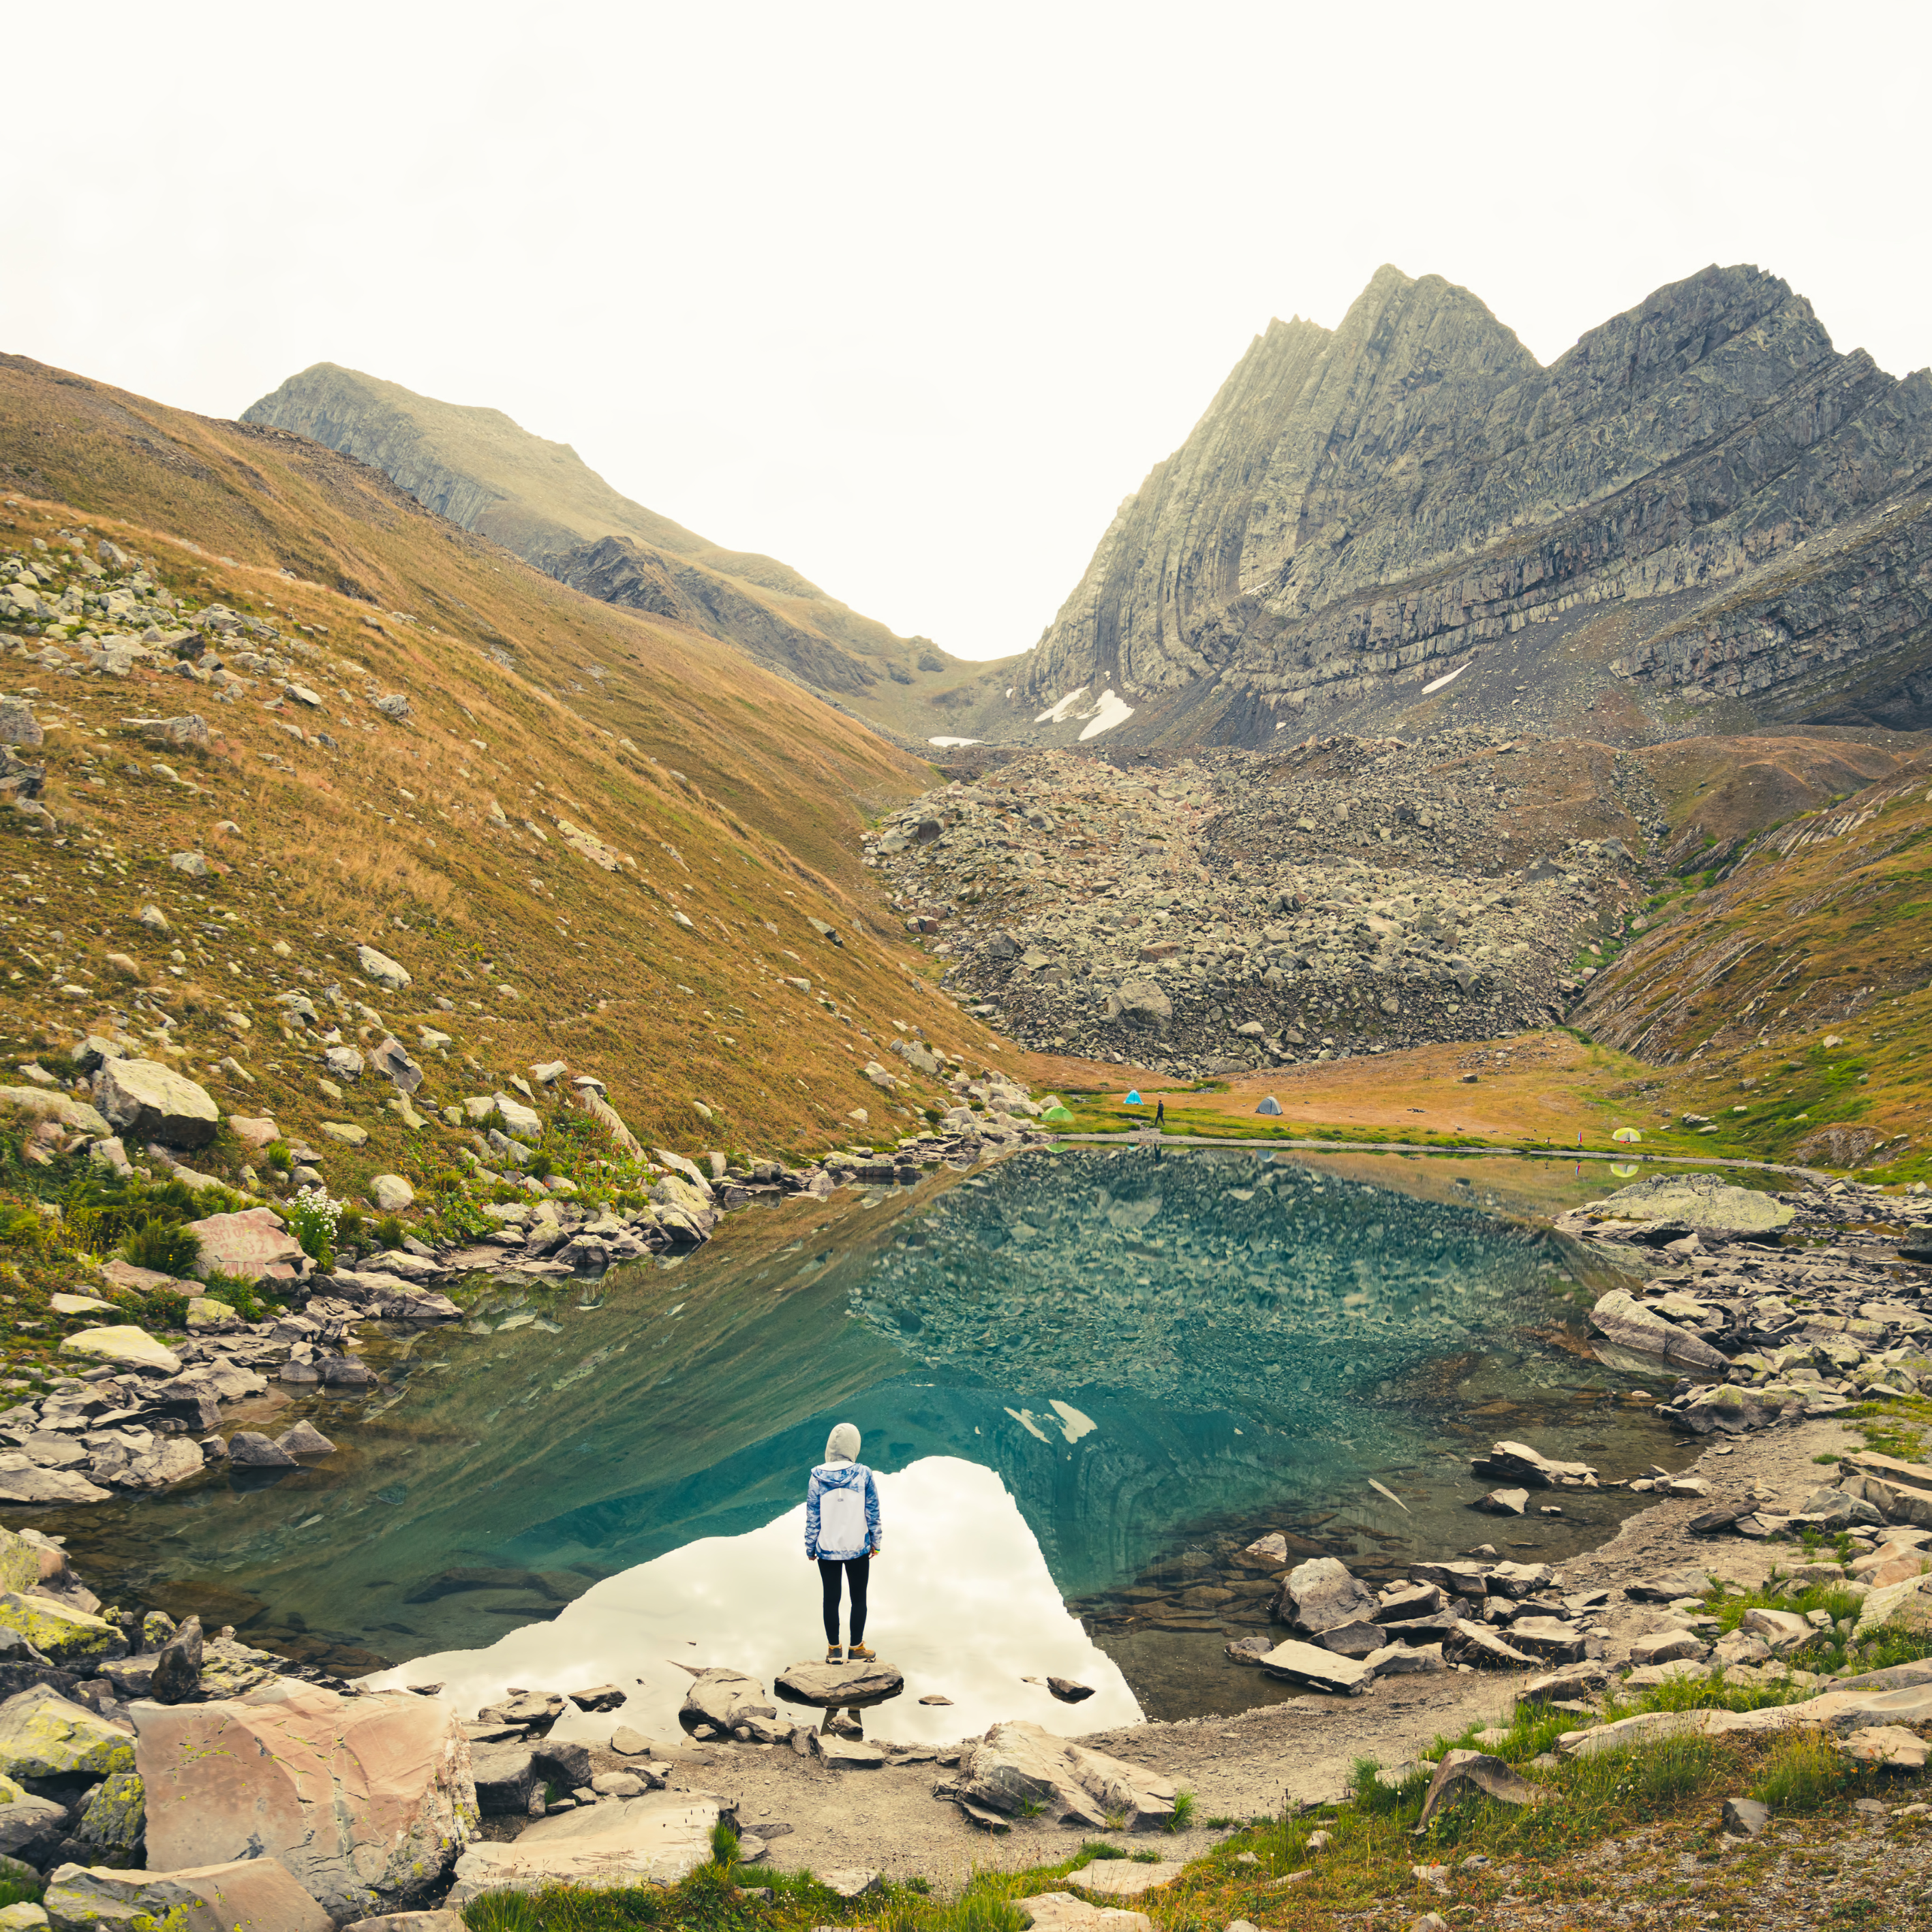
x: 1366, y: 509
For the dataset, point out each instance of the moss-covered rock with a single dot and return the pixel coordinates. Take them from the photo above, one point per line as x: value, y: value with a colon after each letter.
x: 44, y: 1734
x: 19, y: 1562
x: 114, y: 1820
x: 68, y: 1637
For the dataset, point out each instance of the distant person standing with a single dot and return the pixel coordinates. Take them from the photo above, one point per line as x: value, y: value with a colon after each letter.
x: 842, y: 1536
x: 1160, y: 1117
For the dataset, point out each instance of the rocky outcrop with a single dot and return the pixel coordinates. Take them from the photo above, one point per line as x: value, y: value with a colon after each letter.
x: 1364, y: 510
x: 364, y: 1800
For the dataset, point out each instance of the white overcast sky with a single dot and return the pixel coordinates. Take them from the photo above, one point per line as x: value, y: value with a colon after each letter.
x: 911, y: 296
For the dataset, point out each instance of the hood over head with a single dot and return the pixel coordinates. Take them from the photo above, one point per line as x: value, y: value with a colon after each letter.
x: 842, y: 1445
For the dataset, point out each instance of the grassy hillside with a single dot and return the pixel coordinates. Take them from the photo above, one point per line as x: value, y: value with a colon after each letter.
x: 540, y: 500
x: 1788, y: 1001
x: 726, y: 801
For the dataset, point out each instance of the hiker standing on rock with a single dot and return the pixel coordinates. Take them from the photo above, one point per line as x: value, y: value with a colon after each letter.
x: 842, y: 1535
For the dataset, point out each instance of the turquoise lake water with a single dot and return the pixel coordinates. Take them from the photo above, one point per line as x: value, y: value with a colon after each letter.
x: 1071, y: 1369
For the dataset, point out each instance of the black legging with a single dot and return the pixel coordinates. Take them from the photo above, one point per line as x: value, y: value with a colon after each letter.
x: 859, y: 1569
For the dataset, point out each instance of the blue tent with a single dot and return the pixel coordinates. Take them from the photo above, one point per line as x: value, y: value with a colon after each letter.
x: 1270, y: 1106
x: 1134, y: 1098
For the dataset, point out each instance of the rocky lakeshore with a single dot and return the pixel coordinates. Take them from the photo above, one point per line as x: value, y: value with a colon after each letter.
x: 540, y: 1785
x: 156, y: 1357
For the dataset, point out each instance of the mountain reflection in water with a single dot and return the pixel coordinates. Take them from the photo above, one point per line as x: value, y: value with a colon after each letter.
x: 1137, y: 1344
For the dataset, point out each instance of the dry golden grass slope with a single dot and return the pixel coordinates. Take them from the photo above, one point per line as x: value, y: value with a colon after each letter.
x: 540, y: 499
x: 734, y: 797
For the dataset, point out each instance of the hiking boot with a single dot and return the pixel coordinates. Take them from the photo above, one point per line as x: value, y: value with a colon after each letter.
x: 833, y: 1655
x: 859, y: 1653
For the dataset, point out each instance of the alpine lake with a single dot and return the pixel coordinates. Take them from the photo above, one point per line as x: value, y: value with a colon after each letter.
x: 1088, y: 1376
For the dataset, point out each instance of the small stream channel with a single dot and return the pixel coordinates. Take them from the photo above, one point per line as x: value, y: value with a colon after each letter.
x: 1088, y: 1376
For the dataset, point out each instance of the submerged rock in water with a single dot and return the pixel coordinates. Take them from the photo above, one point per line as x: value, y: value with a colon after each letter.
x: 730, y: 1703
x: 1320, y: 1669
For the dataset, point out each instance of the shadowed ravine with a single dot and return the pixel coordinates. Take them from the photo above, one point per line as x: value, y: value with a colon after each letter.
x: 1148, y: 1348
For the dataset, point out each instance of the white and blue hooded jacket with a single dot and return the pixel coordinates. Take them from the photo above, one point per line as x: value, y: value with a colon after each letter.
x: 842, y: 1502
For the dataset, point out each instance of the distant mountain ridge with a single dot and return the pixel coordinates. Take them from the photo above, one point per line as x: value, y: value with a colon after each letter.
x: 484, y: 473
x: 1702, y: 516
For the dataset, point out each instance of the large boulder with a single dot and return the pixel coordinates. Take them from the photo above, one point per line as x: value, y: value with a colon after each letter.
x: 114, y: 1820
x: 655, y: 1840
x: 366, y: 1800
x: 731, y: 1702
x: 134, y: 1346
x: 1142, y: 1003
x: 1320, y: 1595
x: 67, y: 1635
x: 1713, y: 1207
x: 255, y: 1894
x: 388, y: 973
x: 45, y: 1736
x: 1627, y: 1323
x: 143, y: 1099
x: 251, y: 1244
x: 1896, y: 1501
x: 31, y: 1828
x: 1018, y: 1765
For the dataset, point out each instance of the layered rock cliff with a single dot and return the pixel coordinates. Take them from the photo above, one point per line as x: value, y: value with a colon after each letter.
x: 1702, y: 504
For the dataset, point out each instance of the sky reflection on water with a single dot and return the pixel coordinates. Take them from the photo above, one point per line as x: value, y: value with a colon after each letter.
x: 962, y: 1602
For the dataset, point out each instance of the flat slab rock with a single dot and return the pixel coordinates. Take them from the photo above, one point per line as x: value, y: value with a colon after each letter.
x: 840, y: 1685
x: 1061, y: 1912
x: 656, y: 1840
x: 1122, y: 1878
x: 1321, y: 1669
x: 252, y: 1892
x: 839, y: 1753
